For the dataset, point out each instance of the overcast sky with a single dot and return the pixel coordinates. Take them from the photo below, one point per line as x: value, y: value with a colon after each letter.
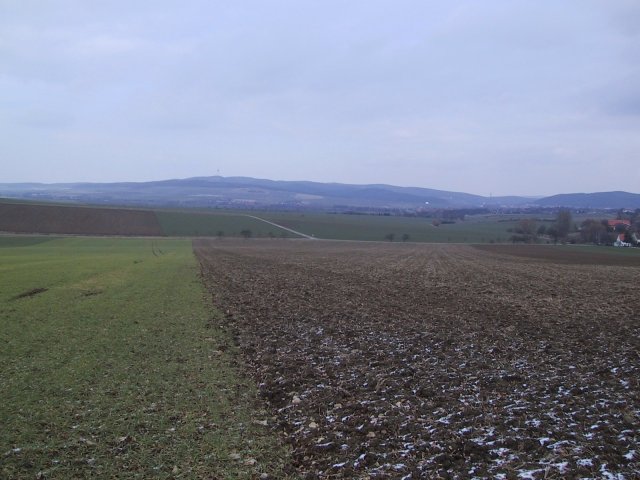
x: 502, y: 97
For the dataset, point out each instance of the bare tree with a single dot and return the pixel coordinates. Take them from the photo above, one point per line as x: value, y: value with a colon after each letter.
x: 593, y: 231
x: 564, y: 223
x: 526, y: 226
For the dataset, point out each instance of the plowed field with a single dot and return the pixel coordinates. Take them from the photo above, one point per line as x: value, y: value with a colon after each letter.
x: 18, y: 218
x: 436, y: 361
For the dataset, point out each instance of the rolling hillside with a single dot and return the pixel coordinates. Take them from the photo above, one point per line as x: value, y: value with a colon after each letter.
x: 592, y: 200
x: 246, y: 192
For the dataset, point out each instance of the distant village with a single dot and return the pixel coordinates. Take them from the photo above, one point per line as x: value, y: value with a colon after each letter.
x: 621, y: 231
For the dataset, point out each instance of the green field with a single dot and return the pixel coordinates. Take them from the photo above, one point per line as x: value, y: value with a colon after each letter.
x: 195, y: 224
x: 377, y: 227
x: 112, y: 366
x: 254, y: 223
x: 474, y: 229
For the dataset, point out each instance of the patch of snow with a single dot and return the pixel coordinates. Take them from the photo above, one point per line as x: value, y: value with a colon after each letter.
x: 630, y: 454
x: 501, y: 452
x: 529, y: 474
x: 444, y: 420
x: 559, y: 444
x: 585, y: 462
x: 561, y: 466
x: 356, y: 464
x: 608, y: 475
x: 534, y: 422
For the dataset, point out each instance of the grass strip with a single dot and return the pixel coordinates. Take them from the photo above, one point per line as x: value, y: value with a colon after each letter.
x: 114, y: 368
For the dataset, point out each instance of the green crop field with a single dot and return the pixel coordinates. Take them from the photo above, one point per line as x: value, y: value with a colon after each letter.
x: 377, y: 227
x: 474, y: 229
x: 480, y: 229
x: 194, y: 224
x: 112, y: 366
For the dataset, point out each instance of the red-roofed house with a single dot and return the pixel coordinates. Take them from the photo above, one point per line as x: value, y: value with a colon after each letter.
x: 615, y: 223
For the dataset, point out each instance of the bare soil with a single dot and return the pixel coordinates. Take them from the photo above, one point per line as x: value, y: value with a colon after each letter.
x: 52, y: 219
x: 575, y: 255
x: 436, y: 361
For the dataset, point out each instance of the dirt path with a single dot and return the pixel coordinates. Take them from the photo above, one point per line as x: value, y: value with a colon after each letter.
x: 304, y: 235
x: 419, y: 361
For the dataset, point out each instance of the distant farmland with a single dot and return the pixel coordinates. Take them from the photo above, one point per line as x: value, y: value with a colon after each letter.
x: 203, y: 224
x: 25, y: 218
x: 378, y: 227
x: 87, y: 220
x: 335, y: 226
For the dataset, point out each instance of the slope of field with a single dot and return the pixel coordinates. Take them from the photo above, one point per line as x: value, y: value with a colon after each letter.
x: 18, y: 218
x: 110, y: 367
x: 437, y: 361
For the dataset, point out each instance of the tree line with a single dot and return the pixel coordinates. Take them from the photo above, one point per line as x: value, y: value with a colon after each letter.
x: 563, y: 229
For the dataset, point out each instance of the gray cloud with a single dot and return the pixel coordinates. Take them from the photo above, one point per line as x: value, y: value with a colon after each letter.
x: 496, y: 96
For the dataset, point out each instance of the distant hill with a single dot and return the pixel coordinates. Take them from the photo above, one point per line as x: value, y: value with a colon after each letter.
x: 247, y: 192
x: 592, y: 200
